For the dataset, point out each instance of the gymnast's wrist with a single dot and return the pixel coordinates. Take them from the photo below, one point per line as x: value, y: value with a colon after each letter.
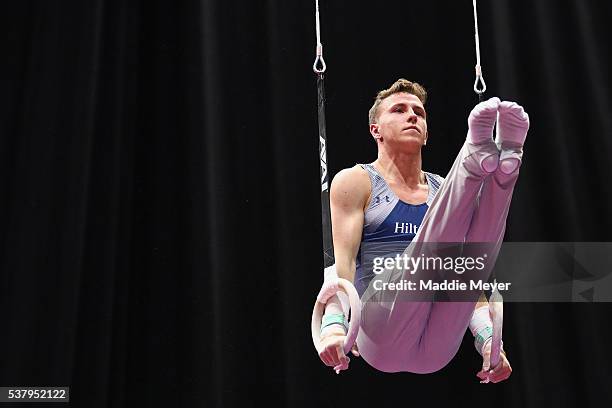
x: 333, y: 330
x: 334, y: 323
x: 488, y: 342
x: 482, y: 337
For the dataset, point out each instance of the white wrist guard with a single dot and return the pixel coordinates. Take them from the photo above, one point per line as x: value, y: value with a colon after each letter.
x: 481, y: 327
x: 335, y: 305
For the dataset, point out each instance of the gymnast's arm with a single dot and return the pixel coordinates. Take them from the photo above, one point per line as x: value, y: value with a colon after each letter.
x: 349, y: 196
x: 503, y: 369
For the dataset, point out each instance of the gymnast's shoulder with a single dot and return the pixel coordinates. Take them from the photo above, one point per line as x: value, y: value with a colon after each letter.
x: 351, y: 187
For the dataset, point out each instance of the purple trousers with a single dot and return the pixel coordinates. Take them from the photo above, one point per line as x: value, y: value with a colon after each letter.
x: 423, y: 336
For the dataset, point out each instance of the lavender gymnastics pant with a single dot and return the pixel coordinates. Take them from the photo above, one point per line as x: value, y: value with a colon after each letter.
x: 423, y: 336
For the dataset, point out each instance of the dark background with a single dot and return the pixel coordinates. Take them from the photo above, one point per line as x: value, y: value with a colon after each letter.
x: 160, y: 215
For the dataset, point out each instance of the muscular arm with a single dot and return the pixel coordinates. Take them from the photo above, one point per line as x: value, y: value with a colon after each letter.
x: 349, y: 195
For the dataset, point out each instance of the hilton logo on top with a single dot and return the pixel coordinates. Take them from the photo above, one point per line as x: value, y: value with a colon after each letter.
x: 405, y: 228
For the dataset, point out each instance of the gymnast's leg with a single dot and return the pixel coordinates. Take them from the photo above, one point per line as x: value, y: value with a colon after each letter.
x: 448, y: 321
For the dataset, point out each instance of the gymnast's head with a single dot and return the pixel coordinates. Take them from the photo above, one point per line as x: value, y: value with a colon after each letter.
x: 398, y: 117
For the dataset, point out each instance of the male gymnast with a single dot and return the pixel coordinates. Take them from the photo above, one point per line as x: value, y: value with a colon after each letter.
x: 393, y: 199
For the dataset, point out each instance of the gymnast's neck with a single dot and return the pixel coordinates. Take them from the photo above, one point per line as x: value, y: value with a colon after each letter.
x: 398, y: 166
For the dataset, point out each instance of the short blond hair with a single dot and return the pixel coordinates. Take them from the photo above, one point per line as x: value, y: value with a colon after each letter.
x: 401, y: 85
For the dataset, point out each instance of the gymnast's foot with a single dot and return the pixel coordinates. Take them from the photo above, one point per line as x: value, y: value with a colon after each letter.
x: 512, y: 127
x: 481, y: 123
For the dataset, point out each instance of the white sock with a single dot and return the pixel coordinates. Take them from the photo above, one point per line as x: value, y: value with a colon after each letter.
x: 512, y: 127
x: 481, y: 123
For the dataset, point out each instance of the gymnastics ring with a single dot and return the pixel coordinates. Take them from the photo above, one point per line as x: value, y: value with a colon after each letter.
x: 496, y: 311
x: 328, y: 290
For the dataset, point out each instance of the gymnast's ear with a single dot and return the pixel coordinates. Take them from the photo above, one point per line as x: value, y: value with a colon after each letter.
x: 375, y: 131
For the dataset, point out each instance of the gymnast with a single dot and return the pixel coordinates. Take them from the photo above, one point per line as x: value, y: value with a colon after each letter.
x: 394, y: 199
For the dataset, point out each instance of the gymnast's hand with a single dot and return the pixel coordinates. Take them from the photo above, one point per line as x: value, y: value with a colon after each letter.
x: 497, y: 374
x: 332, y: 348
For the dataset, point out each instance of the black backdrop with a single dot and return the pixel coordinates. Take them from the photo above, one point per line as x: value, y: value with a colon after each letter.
x: 159, y: 213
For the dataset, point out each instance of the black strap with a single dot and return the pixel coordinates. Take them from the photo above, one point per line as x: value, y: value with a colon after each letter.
x: 328, y: 245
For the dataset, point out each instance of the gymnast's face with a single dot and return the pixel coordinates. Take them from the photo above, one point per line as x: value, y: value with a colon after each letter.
x: 401, y: 122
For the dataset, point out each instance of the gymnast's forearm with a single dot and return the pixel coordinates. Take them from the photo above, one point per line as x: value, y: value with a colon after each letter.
x: 345, y: 268
x: 482, y: 301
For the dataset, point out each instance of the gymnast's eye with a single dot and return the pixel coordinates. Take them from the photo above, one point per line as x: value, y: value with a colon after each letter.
x: 398, y: 109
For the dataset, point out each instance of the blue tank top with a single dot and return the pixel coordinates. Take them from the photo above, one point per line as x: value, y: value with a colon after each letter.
x: 388, y: 219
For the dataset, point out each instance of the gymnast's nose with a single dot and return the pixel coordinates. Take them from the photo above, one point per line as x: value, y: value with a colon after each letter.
x: 412, y: 117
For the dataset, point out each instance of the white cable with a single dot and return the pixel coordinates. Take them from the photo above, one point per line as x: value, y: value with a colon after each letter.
x: 479, y: 77
x: 319, y: 53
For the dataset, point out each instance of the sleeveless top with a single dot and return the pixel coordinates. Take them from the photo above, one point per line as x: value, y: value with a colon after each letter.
x: 388, y: 220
